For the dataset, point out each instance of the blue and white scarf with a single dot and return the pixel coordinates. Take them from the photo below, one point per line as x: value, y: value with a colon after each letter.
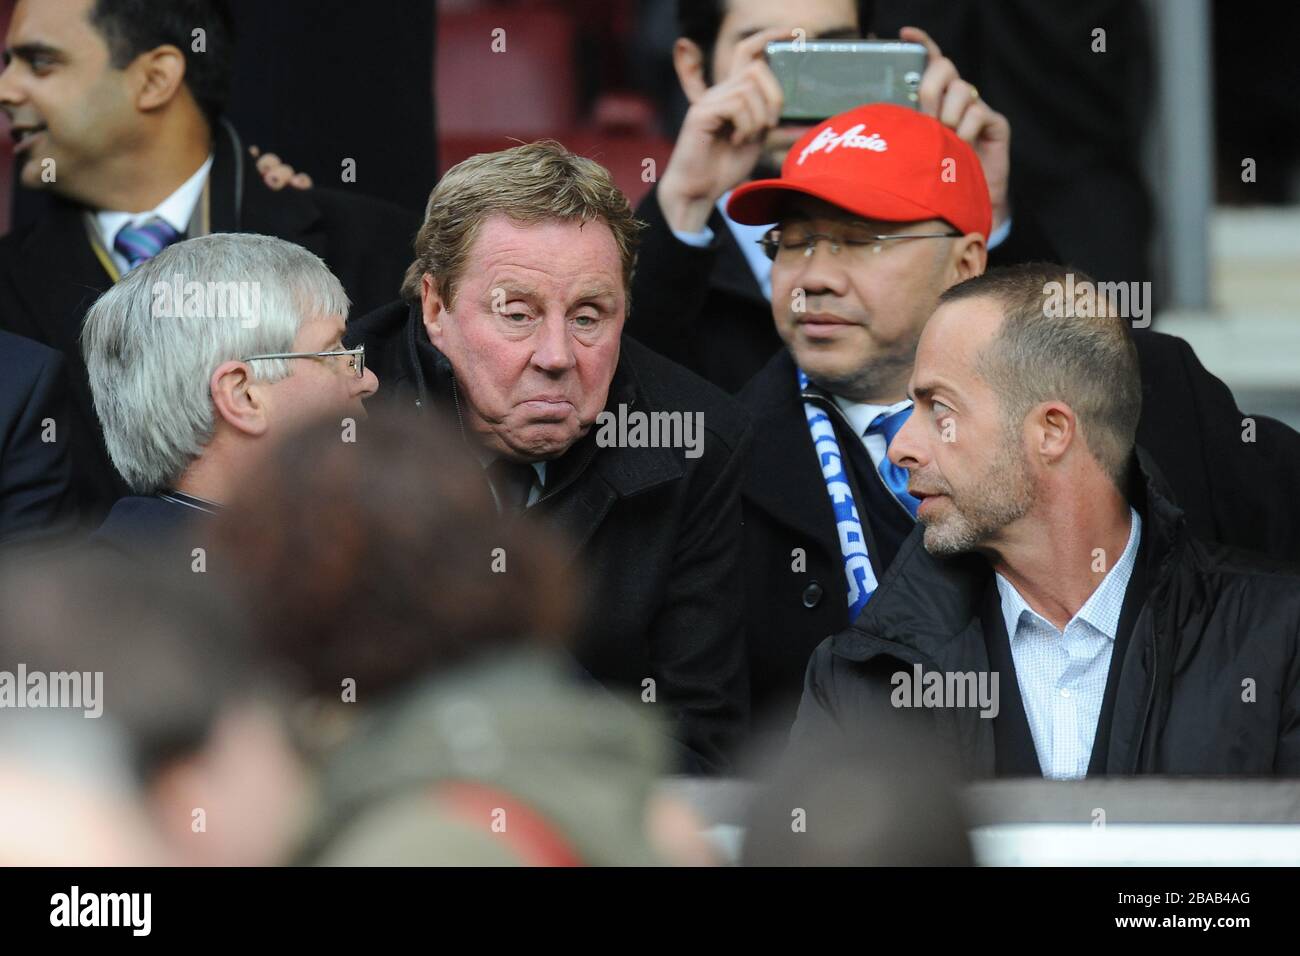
x: 853, y: 542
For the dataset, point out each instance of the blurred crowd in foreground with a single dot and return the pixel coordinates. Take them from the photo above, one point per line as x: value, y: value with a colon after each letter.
x: 335, y: 673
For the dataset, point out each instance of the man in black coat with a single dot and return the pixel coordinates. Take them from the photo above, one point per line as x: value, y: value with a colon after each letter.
x: 518, y: 295
x: 702, y: 288
x: 123, y: 132
x: 36, y: 495
x: 1228, y: 472
x: 1053, y: 610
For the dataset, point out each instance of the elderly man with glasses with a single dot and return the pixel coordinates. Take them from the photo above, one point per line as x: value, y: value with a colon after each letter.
x: 201, y: 357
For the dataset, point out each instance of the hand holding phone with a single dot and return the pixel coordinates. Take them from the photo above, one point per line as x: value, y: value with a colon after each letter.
x: 822, y: 78
x: 721, y: 137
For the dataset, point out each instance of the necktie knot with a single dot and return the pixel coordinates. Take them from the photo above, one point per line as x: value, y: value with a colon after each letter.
x: 141, y: 243
x: 889, y: 424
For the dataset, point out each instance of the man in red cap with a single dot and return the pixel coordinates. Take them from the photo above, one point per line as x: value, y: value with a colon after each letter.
x: 877, y: 212
x: 702, y: 285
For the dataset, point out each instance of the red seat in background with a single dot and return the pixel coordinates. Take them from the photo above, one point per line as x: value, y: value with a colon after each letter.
x: 489, y: 101
x: 525, y: 91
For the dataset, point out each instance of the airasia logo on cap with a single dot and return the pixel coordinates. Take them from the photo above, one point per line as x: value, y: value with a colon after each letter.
x: 828, y: 141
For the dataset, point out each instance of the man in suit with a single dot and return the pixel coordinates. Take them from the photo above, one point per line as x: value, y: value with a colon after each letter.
x: 192, y: 384
x: 879, y: 211
x: 513, y: 326
x: 1052, y: 611
x: 115, y: 107
x: 703, y: 287
x: 36, y: 494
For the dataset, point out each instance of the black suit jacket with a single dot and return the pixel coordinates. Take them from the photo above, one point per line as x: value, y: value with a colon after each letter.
x: 655, y: 536
x: 1232, y: 492
x: 703, y: 308
x: 149, y: 529
x: 36, y: 493
x: 50, y: 276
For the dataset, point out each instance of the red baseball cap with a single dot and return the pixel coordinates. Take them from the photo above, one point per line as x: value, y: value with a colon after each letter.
x: 881, y: 162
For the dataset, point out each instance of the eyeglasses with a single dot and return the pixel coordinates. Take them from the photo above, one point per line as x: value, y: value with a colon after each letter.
x: 788, y: 242
x: 356, y: 357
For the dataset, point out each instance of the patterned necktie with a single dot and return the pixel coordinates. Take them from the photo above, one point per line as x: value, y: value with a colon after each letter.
x: 141, y: 243
x: 888, y: 424
x: 513, y: 483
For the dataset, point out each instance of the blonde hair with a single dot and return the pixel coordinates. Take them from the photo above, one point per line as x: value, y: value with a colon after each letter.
x: 530, y: 183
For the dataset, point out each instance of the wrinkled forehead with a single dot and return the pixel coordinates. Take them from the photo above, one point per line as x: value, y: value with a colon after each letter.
x: 562, y: 254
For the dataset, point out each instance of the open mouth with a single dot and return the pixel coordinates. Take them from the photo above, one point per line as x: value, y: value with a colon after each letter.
x: 24, y: 135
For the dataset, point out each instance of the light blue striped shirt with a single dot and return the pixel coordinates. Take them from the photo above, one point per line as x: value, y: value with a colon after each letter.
x: 1062, y: 674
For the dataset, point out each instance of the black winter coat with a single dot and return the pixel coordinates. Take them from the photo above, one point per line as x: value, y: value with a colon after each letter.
x: 1232, y: 492
x: 1210, y: 621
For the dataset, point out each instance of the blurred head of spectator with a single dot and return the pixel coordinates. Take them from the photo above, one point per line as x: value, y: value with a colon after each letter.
x: 710, y: 30
x: 203, y: 353
x: 891, y: 799
x: 172, y: 750
x: 105, y: 95
x: 523, y: 268
x: 391, y: 577
x: 430, y: 633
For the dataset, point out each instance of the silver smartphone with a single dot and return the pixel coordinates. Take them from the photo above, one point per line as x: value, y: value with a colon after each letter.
x: 820, y: 78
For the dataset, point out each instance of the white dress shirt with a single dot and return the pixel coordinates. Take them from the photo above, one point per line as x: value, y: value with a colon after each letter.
x: 1062, y: 674
x: 176, y: 210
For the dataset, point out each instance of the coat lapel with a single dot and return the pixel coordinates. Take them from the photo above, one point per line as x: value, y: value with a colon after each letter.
x: 57, y: 276
x: 784, y: 479
x: 927, y: 611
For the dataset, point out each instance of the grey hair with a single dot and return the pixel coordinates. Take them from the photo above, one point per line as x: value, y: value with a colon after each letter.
x: 151, y: 353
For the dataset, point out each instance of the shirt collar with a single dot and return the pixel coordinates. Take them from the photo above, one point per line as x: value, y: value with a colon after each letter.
x: 747, y: 238
x: 1102, y: 609
x: 176, y: 210
x: 189, y: 501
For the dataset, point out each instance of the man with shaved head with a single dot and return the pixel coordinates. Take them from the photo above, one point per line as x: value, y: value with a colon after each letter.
x: 1051, y: 565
